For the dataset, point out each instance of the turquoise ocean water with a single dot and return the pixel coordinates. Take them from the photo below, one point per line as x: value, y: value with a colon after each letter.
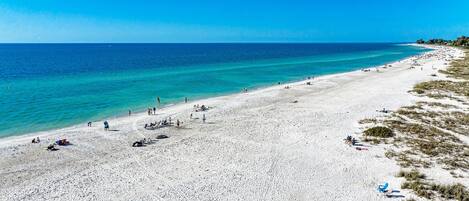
x: 47, y: 86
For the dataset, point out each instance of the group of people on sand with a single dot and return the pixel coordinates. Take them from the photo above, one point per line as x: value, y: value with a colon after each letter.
x: 350, y: 140
x: 141, y: 143
x: 151, y: 111
x: 203, y: 117
x: 36, y: 140
x: 354, y: 142
x: 106, y: 124
x: 60, y: 142
x: 51, y: 147
x: 383, y: 110
x: 147, y: 141
x: 201, y: 108
x: 162, y: 123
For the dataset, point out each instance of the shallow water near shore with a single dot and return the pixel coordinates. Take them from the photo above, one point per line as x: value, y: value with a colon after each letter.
x: 51, y: 86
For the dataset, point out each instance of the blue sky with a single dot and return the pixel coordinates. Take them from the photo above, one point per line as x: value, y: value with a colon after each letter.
x: 231, y: 21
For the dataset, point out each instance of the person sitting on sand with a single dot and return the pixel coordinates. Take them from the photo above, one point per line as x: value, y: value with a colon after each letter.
x: 137, y: 144
x: 383, y: 110
x: 354, y: 141
x: 203, y: 108
x: 62, y: 142
x: 348, y: 140
x: 51, y: 147
x: 36, y: 140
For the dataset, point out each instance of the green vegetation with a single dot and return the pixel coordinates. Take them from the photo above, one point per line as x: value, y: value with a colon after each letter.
x: 367, y: 121
x: 458, y: 69
x: 459, y: 42
x: 428, y: 141
x: 427, y: 133
x: 412, y: 175
x: 379, y: 131
x: 447, y: 121
x: 415, y: 181
x: 443, y: 86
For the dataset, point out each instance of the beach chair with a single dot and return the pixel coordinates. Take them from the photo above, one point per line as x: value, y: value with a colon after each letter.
x: 383, y: 188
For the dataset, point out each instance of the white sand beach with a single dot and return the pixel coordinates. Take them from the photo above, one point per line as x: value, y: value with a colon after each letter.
x: 268, y: 144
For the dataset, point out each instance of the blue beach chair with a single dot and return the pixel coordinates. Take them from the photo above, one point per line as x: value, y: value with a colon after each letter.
x: 383, y: 188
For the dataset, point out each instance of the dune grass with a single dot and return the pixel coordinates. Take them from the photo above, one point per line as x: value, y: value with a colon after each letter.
x: 415, y: 181
x: 379, y: 131
x: 426, y: 134
x: 445, y: 87
x: 458, y: 68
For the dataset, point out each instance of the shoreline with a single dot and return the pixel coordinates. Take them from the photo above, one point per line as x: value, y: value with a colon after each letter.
x: 31, y: 135
x: 268, y: 144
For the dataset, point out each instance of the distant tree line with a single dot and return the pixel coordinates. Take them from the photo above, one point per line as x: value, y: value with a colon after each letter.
x: 462, y: 41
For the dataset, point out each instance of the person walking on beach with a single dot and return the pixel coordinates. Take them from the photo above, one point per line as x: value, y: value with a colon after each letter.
x: 106, y: 126
x: 203, y: 118
x: 149, y: 111
x: 130, y: 113
x: 191, y: 116
x: 154, y: 111
x: 177, y: 123
x: 185, y: 100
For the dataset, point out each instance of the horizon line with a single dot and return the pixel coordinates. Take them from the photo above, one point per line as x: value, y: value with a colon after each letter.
x: 221, y: 42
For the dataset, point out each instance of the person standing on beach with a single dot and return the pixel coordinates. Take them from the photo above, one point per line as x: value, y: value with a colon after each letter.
x: 154, y: 111
x: 185, y: 100
x: 106, y: 126
x: 130, y: 113
x: 203, y: 118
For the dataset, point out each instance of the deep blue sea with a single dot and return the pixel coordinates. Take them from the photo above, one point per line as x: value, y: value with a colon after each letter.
x: 47, y: 86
